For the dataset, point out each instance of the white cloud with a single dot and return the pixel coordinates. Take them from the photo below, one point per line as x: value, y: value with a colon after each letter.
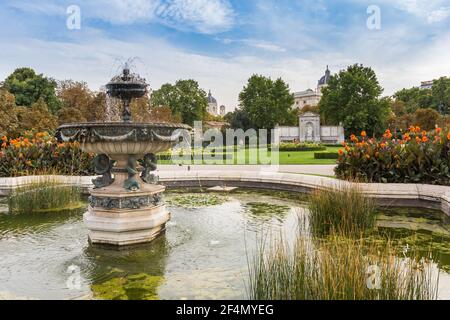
x: 432, y: 11
x: 203, y: 16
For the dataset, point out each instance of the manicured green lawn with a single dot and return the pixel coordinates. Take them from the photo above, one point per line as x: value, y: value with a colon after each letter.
x: 295, y: 157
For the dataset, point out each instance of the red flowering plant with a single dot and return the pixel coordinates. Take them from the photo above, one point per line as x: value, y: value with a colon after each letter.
x: 40, y: 153
x: 417, y: 157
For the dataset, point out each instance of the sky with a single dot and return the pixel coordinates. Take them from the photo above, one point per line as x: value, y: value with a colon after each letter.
x: 221, y: 43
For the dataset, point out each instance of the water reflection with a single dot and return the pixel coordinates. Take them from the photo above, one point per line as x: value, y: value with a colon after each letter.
x: 203, y: 255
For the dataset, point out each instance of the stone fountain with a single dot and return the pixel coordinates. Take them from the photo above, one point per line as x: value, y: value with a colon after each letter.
x: 126, y: 206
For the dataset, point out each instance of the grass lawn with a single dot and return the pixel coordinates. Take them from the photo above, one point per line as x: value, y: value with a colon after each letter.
x: 294, y: 157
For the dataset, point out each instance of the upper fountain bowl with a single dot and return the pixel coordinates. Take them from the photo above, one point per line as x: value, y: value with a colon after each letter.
x: 127, y: 86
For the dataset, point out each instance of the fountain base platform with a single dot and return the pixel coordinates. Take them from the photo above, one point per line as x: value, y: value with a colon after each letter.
x: 123, y: 218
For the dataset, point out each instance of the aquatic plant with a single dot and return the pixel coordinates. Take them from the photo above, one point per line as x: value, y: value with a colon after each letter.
x: 45, y: 196
x: 345, y: 210
x: 134, y: 287
x: 337, y: 268
x: 196, y: 200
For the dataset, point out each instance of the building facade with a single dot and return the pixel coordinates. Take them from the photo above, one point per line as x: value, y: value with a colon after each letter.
x: 213, y: 106
x: 310, y: 130
x: 311, y: 97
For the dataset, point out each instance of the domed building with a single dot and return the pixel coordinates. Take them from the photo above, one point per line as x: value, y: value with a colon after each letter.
x: 311, y: 97
x: 212, y: 104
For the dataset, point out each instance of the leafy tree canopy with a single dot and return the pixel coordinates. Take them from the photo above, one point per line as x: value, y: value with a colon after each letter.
x: 186, y: 100
x: 266, y: 103
x: 28, y: 87
x: 352, y: 98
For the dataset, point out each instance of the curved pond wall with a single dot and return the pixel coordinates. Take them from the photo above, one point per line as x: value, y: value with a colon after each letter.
x: 417, y: 195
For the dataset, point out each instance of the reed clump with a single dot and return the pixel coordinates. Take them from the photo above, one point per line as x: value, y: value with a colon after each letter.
x: 342, y: 210
x: 44, y: 196
x: 338, y: 268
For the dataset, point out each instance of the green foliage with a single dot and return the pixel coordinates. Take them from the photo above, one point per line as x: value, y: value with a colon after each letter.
x: 37, y: 118
x: 44, y: 197
x: 185, y: 99
x: 28, y: 87
x: 266, y: 102
x: 326, y: 155
x: 417, y: 157
x: 437, y: 98
x: 238, y: 119
x: 352, y: 98
x: 344, y: 211
x: 336, y: 268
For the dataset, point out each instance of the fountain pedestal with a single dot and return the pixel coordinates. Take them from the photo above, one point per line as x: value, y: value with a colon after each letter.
x: 121, y: 217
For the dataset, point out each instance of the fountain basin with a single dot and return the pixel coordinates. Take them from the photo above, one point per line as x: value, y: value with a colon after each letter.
x: 122, y: 138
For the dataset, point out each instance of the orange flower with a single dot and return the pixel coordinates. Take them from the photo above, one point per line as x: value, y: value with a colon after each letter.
x: 448, y: 136
x: 363, y: 134
x: 387, y: 134
x: 424, y: 133
x: 367, y: 157
x: 438, y: 130
x: 340, y: 152
x: 425, y: 139
x: 417, y: 129
x: 406, y: 137
x: 383, y: 145
x: 418, y: 140
x: 347, y: 148
x: 353, y: 138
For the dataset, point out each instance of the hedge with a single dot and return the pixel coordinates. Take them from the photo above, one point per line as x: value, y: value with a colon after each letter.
x: 326, y: 155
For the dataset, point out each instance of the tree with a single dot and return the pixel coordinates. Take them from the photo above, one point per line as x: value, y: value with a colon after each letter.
x: 8, y: 113
x: 37, y: 118
x: 238, y: 119
x: 28, y: 87
x: 441, y: 94
x: 427, y: 119
x: 352, y: 98
x: 79, y: 103
x: 186, y: 100
x: 265, y: 102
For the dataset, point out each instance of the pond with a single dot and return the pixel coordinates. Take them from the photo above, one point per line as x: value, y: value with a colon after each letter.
x: 203, y: 255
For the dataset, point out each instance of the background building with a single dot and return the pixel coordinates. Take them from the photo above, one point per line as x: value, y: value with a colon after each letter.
x: 311, y: 97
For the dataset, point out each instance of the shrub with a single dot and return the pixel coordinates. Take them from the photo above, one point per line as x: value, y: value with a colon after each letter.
x: 417, y: 157
x: 290, y: 146
x: 45, y: 196
x: 326, y: 155
x: 339, y: 269
x: 344, y: 211
x: 42, y: 154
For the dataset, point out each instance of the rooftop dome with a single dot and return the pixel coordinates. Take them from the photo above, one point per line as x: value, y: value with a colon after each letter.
x: 211, y: 99
x: 324, y: 80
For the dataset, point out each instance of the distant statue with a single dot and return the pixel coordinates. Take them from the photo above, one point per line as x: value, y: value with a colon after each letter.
x: 131, y: 184
x: 103, y: 165
x: 150, y: 165
x: 309, y: 133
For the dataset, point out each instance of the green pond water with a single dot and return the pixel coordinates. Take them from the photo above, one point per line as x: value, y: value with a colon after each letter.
x: 203, y: 255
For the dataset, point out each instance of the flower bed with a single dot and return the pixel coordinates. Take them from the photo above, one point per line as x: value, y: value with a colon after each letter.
x: 418, y: 157
x: 42, y: 154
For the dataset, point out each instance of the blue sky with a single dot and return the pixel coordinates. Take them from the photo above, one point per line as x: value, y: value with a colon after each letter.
x: 220, y: 43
